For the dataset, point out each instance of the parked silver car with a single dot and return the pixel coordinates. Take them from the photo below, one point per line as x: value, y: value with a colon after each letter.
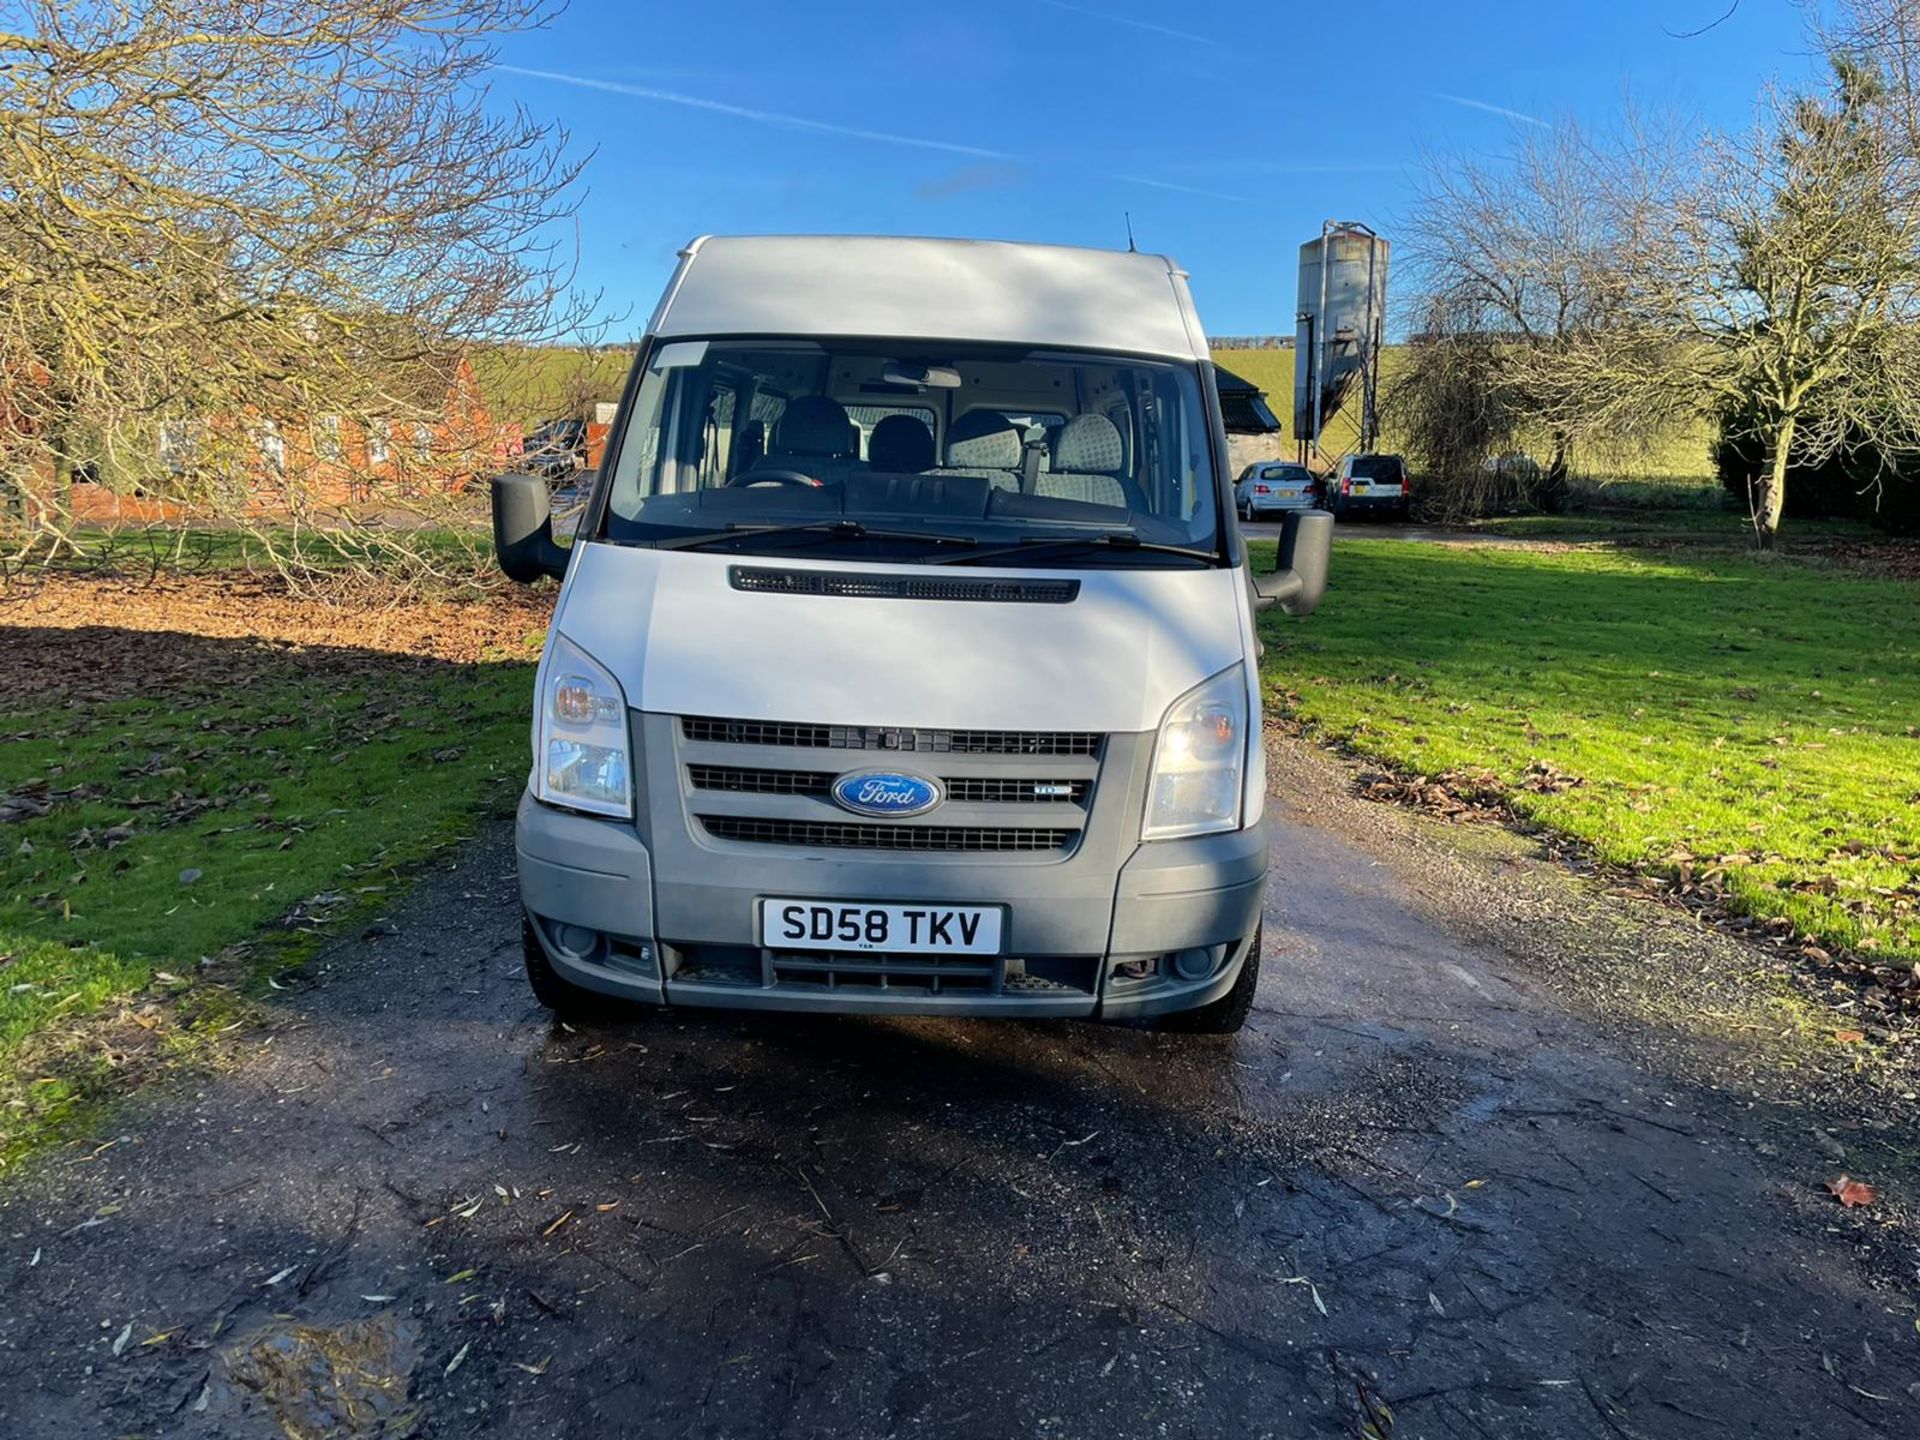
x: 1270, y: 487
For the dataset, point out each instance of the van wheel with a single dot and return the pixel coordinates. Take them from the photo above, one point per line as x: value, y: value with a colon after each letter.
x: 550, y: 987
x: 1228, y: 1014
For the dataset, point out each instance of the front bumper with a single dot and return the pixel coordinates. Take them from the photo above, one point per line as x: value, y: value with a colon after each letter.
x: 1113, y: 945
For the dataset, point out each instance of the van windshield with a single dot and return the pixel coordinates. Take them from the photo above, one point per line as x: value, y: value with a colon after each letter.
x: 916, y: 451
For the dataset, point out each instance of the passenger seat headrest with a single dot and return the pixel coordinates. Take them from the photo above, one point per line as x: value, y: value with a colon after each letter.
x: 1089, y: 444
x: 983, y: 440
x: 815, y: 425
x: 900, y: 445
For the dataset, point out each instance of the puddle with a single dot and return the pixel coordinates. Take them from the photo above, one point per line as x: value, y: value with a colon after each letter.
x: 315, y: 1382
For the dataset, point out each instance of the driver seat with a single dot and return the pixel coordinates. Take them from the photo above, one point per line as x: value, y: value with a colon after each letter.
x: 815, y: 436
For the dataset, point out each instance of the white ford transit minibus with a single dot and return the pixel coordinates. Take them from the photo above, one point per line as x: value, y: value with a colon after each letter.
x: 904, y: 656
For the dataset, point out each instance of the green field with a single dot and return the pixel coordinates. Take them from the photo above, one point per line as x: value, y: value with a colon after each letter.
x: 180, y: 824
x: 1681, y: 457
x: 529, y: 385
x: 1750, y: 725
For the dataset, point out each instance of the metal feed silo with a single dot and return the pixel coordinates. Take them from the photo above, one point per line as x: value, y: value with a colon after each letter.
x: 1341, y: 317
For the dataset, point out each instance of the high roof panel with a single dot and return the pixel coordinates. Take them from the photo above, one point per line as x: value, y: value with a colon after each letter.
x: 986, y: 290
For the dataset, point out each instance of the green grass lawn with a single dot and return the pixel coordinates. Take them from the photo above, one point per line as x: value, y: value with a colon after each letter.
x: 1756, y: 723
x: 178, y: 825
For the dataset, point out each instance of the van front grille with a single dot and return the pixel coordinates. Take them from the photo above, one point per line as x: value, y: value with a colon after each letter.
x: 907, y: 976
x: 964, y: 789
x: 818, y: 834
x: 742, y: 780
x: 1005, y: 790
x: 712, y: 730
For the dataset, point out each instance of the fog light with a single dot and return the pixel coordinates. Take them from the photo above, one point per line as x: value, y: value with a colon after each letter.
x: 1196, y: 964
x: 576, y: 941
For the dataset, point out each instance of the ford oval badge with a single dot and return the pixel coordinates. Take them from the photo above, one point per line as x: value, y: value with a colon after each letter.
x: 888, y: 794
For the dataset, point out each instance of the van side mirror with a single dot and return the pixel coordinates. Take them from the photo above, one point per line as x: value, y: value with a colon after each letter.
x: 1299, y: 577
x: 523, y: 529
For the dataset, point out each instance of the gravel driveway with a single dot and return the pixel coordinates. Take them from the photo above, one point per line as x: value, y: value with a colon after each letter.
x: 1460, y: 1177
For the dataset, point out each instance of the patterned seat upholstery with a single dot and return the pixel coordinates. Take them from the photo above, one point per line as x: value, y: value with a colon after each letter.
x: 984, y: 443
x: 1088, y: 456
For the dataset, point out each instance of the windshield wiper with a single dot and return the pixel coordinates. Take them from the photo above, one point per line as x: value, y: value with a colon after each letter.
x: 837, y: 529
x: 1103, y: 540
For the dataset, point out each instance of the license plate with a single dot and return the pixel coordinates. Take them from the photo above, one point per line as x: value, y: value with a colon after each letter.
x: 1359, y: 489
x: 900, y: 929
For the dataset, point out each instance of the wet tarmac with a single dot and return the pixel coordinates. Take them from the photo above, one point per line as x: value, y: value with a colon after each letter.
x: 1425, y: 1192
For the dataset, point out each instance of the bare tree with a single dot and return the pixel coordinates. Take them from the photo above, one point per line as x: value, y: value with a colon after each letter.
x: 1769, y: 282
x: 244, y: 245
x: 1517, y: 261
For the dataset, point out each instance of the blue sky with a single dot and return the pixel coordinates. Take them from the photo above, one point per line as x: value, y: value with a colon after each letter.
x: 1228, y: 138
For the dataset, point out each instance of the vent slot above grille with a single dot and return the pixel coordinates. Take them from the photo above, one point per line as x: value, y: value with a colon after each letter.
x: 713, y: 730
x: 815, y: 834
x: 901, y: 586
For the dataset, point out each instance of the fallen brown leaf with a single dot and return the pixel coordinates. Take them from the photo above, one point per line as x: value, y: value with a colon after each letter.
x: 1852, y: 1193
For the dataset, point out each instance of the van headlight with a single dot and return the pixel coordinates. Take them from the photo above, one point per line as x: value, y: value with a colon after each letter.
x: 580, y: 753
x: 1199, y: 760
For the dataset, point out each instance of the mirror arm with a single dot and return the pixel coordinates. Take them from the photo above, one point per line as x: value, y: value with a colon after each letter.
x: 1277, y: 588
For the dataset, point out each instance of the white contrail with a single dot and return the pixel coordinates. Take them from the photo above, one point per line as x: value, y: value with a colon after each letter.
x: 1520, y: 115
x: 1185, y: 189
x: 1146, y: 25
x: 764, y: 117
x: 822, y: 127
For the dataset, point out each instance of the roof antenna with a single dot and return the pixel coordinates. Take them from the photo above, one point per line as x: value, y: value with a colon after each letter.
x: 1132, y: 249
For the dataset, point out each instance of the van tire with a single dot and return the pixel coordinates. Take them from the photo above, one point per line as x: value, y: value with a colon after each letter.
x: 1228, y: 1014
x: 550, y: 988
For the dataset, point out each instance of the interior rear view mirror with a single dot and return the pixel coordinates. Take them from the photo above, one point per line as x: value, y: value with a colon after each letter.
x: 937, y: 377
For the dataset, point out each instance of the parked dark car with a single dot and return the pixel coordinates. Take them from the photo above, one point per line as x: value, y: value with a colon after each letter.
x: 555, y: 451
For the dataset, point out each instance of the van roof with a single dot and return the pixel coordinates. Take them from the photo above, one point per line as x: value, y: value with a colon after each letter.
x: 894, y: 286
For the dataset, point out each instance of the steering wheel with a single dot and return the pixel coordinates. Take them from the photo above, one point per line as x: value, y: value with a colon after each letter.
x: 774, y: 475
